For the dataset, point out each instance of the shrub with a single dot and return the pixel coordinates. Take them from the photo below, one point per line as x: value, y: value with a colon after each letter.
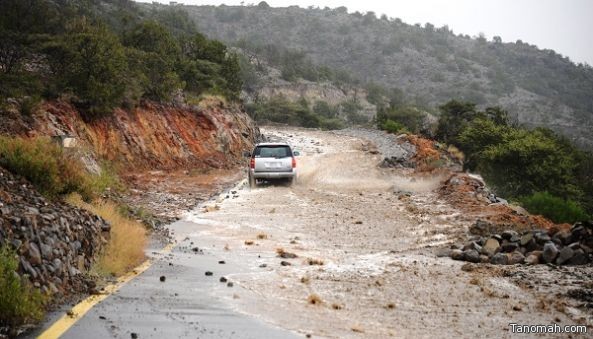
x: 554, y: 208
x: 331, y: 124
x: 393, y: 126
x: 125, y: 249
x: 20, y: 303
x: 45, y: 165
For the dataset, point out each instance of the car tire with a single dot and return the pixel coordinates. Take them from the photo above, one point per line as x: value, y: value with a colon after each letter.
x: 293, y: 181
x: 252, y: 182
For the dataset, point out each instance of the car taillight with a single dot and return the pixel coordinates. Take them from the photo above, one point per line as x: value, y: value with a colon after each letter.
x: 293, y: 162
x: 252, y: 163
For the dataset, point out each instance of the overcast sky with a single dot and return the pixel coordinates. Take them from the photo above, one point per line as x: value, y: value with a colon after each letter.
x: 565, y: 26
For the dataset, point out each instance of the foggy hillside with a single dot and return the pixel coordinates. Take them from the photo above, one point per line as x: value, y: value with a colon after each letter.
x: 430, y: 65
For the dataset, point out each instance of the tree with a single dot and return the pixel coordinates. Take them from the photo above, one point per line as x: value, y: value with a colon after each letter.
x: 158, y: 53
x: 454, y: 116
x: 527, y: 161
x: 263, y: 5
x: 152, y: 37
x: 323, y: 109
x: 91, y: 63
x: 231, y: 72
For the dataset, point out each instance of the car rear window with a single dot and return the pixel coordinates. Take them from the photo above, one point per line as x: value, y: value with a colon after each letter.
x: 272, y: 151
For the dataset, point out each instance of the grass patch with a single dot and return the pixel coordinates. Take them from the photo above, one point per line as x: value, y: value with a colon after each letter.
x: 554, y: 208
x: 107, y: 179
x: 45, y: 165
x: 393, y: 127
x: 125, y: 249
x: 53, y: 171
x: 20, y: 303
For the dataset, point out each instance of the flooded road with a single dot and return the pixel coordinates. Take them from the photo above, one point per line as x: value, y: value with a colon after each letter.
x: 349, y: 251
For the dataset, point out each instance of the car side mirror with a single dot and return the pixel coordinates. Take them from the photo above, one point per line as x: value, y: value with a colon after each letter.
x: 247, y: 154
x: 296, y: 153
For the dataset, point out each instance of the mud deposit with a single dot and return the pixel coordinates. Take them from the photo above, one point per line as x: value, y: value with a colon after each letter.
x: 365, y: 240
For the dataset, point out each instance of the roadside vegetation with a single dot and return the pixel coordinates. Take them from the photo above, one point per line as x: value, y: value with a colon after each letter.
x: 102, y: 56
x: 125, y: 249
x: 535, y: 167
x: 20, y: 303
x: 57, y: 174
x: 302, y: 113
x: 51, y: 169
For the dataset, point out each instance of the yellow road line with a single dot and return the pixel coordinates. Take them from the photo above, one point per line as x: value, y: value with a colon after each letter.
x: 77, y: 312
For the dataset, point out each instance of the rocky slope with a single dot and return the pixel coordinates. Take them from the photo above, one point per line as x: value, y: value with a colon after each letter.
x: 55, y: 241
x: 430, y: 65
x: 152, y: 136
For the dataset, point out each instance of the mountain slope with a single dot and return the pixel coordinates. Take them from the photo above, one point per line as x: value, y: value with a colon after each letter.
x: 429, y: 65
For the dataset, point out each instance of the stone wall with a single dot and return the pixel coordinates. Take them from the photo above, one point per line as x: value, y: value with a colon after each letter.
x: 55, y: 242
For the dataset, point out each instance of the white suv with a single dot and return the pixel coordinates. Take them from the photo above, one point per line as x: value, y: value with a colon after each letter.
x: 272, y: 160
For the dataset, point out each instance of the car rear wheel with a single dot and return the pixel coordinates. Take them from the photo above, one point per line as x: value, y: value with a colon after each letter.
x: 252, y: 182
x: 293, y: 181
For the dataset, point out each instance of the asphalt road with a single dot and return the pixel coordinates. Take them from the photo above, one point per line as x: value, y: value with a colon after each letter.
x: 189, y: 304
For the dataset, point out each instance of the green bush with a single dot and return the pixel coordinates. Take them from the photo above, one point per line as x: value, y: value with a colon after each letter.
x: 331, y: 124
x: 45, y: 165
x: 554, y: 208
x: 393, y: 127
x: 104, y: 61
x: 410, y: 117
x: 20, y: 303
x: 279, y: 109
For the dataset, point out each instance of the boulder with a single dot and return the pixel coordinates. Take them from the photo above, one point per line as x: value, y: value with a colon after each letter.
x: 549, y: 253
x: 509, y: 234
x: 490, y: 247
x: 579, y: 258
x: 532, y: 259
x: 481, y: 227
x: 499, y: 259
x: 509, y: 247
x: 472, y: 255
x: 34, y: 254
x: 457, y: 255
x: 542, y: 237
x: 565, y: 255
x: 472, y: 246
x: 516, y: 258
x: 526, y: 239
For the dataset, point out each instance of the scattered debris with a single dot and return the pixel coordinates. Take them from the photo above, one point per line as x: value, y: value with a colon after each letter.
x: 311, y: 261
x: 314, y: 299
x: 286, y: 255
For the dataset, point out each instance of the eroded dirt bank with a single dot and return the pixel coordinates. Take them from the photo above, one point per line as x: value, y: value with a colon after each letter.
x: 152, y: 136
x: 172, y: 157
x: 365, y: 243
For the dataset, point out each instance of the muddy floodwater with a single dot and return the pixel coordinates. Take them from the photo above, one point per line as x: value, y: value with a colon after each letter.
x: 341, y: 254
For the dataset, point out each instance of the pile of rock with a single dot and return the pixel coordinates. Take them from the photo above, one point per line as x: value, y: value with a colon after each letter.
x: 396, y: 150
x: 55, y: 242
x: 568, y: 247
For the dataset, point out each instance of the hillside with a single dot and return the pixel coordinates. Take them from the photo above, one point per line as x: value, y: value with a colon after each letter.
x: 428, y: 65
